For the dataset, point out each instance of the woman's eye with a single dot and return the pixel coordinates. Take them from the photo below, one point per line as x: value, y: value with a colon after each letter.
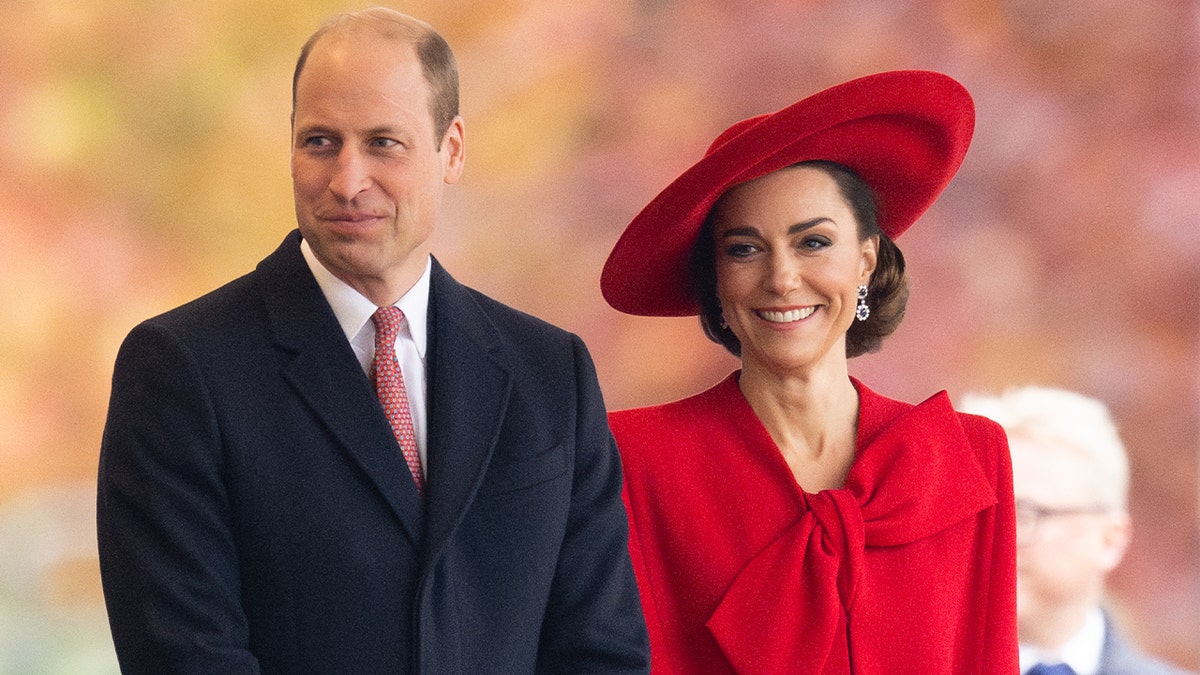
x: 739, y: 250
x: 814, y: 243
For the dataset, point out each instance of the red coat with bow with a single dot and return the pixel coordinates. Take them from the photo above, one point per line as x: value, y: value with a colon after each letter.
x: 908, y: 568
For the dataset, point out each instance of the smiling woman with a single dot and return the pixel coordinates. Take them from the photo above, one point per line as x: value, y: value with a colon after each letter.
x: 879, y: 302
x: 790, y: 257
x: 790, y: 519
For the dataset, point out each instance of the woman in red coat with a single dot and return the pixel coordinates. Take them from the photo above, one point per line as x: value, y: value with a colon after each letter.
x: 789, y: 519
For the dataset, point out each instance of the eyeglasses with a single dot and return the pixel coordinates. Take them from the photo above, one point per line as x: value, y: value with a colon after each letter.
x: 1030, y: 515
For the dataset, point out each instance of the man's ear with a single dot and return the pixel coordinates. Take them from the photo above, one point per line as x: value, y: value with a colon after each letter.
x: 454, y: 145
x: 1116, y: 535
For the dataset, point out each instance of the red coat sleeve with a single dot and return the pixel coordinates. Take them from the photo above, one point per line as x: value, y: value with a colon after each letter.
x: 1000, y: 638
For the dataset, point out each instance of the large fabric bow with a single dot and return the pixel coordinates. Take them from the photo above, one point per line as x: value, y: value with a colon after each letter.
x: 787, y: 611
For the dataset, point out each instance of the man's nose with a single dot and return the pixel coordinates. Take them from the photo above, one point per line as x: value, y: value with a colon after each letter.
x: 350, y: 174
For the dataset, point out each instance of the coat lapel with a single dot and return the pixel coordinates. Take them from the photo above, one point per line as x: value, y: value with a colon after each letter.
x: 327, y: 377
x: 469, y: 386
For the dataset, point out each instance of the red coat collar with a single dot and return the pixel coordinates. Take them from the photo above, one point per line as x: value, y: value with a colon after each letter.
x: 915, y: 474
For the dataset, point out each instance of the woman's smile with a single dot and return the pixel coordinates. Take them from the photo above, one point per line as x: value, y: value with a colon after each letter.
x: 785, y: 315
x: 789, y: 260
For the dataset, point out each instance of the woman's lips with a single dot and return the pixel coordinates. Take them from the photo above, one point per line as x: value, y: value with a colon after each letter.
x: 785, y: 315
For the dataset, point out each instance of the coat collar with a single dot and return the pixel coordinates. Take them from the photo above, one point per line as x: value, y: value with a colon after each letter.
x: 469, y: 384
x: 915, y: 474
x: 327, y: 377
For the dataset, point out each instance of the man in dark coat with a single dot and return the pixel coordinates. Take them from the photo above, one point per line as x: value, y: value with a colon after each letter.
x: 265, y: 503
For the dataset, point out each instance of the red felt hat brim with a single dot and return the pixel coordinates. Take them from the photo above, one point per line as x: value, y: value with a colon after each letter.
x: 904, y: 132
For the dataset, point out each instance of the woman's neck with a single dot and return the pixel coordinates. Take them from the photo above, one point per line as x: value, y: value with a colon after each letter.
x: 812, y: 417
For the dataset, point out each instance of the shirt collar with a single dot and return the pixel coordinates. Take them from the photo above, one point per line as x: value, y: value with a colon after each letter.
x: 353, y: 310
x: 1081, y: 652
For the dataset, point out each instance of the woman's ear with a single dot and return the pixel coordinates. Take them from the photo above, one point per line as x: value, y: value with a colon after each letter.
x: 870, y: 258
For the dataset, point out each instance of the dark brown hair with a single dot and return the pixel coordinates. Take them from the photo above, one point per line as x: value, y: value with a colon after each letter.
x: 887, y: 291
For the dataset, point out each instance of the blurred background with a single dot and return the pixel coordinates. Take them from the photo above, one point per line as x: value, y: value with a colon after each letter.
x: 144, y: 160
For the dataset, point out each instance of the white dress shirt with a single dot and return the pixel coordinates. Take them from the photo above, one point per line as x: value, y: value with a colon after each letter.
x: 1081, y: 652
x: 353, y: 311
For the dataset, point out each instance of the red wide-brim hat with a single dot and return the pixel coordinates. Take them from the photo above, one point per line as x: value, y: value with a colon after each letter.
x: 904, y: 132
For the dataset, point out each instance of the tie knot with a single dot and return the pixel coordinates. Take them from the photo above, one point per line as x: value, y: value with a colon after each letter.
x: 387, y: 321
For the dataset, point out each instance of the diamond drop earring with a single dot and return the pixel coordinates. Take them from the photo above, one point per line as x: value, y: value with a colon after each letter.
x: 862, y: 311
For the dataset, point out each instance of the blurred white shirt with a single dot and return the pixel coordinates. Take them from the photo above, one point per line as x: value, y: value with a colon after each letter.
x: 1081, y: 652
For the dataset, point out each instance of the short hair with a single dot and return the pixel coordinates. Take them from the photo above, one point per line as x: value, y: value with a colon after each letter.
x: 887, y: 291
x: 1065, y: 422
x: 437, y: 59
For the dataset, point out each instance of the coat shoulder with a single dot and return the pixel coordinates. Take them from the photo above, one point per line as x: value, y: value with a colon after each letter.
x: 662, y: 434
x: 468, y: 311
x: 988, y: 440
x: 1120, y: 657
x: 229, y: 309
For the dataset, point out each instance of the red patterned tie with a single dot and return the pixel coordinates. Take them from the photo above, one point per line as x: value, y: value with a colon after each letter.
x: 389, y: 385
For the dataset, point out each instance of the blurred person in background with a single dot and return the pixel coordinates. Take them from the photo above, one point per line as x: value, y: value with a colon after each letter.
x: 1071, y: 482
x: 790, y: 519
x: 347, y: 462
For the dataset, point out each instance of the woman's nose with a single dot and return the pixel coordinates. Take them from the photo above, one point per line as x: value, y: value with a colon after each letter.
x: 783, y: 273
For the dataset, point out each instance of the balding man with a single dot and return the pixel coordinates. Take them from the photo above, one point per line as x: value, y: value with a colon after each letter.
x: 347, y: 462
x: 1071, y: 482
